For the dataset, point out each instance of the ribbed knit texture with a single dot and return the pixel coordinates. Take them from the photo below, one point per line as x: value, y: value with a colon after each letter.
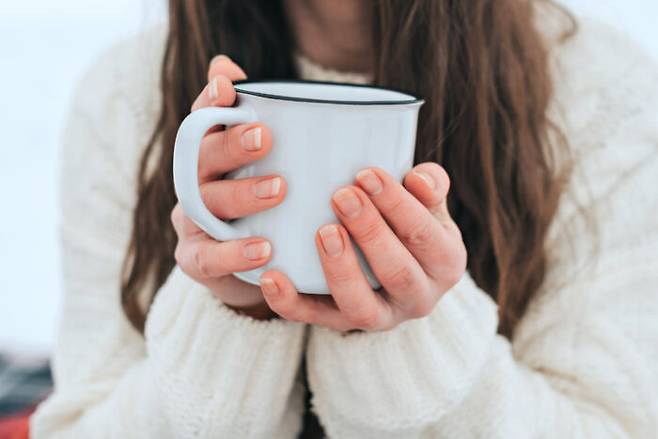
x: 583, y: 363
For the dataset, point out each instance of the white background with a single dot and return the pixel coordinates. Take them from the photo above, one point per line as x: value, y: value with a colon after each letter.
x: 44, y: 47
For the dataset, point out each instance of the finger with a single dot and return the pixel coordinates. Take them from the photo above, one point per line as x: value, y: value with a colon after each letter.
x: 361, y: 306
x: 429, y: 183
x: 184, y: 226
x: 223, y: 65
x: 223, y: 151
x: 219, y: 92
x: 222, y: 71
x: 229, y: 199
x: 418, y: 229
x: 207, y: 258
x: 282, y: 297
x: 393, y: 264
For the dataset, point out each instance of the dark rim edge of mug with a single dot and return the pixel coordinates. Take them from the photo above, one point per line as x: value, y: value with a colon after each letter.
x: 414, y: 99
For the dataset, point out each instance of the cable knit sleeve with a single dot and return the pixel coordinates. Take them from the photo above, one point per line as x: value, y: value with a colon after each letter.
x: 202, y: 370
x: 583, y: 360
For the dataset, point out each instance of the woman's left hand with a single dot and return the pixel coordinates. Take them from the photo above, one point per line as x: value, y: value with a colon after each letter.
x: 411, y: 243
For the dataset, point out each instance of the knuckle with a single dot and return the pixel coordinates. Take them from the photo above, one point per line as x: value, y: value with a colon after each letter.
x: 338, y: 277
x: 176, y: 215
x: 456, y: 231
x: 369, y: 233
x: 401, y: 278
x: 179, y: 253
x: 455, y: 274
x: 447, y: 277
x: 422, y: 307
x: 396, y: 204
x: 419, y: 235
x: 202, y: 261
x: 454, y: 268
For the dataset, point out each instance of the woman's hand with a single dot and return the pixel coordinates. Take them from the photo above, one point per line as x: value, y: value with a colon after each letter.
x: 204, y: 259
x: 410, y: 241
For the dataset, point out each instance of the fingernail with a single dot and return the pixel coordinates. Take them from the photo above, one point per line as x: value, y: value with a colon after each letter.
x: 268, y: 285
x: 251, y: 139
x: 331, y: 240
x: 212, y: 89
x: 267, y: 188
x: 428, y: 179
x: 348, y: 203
x: 219, y: 58
x: 257, y: 250
x: 370, y: 182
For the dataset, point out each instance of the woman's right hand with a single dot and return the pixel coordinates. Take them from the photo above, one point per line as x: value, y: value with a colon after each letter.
x: 204, y: 259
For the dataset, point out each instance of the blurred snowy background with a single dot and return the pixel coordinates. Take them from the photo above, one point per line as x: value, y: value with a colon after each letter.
x: 44, y: 47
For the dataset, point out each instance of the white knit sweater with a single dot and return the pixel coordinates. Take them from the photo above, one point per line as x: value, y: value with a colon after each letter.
x: 583, y: 363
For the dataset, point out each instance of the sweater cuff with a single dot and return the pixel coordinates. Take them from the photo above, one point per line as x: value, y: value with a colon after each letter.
x: 224, y: 360
x: 417, y: 371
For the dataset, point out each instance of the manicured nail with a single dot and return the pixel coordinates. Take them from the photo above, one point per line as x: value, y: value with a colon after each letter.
x: 257, y: 250
x: 269, y: 286
x: 267, y: 188
x: 428, y: 179
x: 370, y: 181
x: 219, y: 58
x: 331, y: 240
x: 212, y: 89
x: 251, y: 139
x: 347, y: 201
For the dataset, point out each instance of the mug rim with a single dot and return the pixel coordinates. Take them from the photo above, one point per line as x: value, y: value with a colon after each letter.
x: 413, y: 100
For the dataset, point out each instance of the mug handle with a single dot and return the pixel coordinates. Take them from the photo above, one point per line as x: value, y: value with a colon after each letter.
x: 186, y: 165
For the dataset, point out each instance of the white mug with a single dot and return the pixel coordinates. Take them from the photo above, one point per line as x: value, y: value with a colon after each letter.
x: 323, y: 134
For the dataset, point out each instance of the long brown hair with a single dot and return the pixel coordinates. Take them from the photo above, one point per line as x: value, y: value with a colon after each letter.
x: 482, y: 67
